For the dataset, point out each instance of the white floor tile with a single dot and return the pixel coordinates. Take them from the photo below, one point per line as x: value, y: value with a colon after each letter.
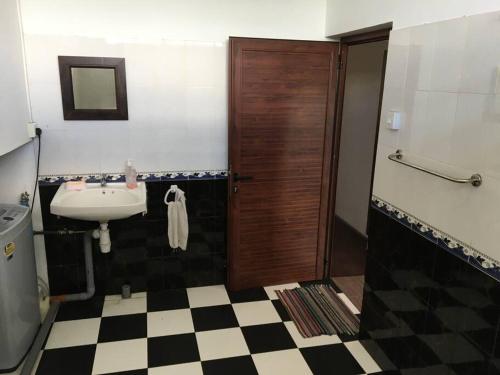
x: 288, y: 362
x: 222, y: 343
x: 207, y: 296
x: 253, y: 313
x: 171, y: 322
x: 270, y: 289
x: 302, y: 342
x: 118, y: 306
x: 193, y: 368
x: 73, y: 333
x: 120, y: 356
x: 364, y: 359
x: 348, y: 303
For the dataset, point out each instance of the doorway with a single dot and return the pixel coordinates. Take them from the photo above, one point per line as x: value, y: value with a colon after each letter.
x: 358, y: 109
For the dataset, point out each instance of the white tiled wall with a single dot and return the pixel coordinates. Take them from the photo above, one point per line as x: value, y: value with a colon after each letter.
x: 442, y: 77
x: 177, y: 95
x: 176, y: 69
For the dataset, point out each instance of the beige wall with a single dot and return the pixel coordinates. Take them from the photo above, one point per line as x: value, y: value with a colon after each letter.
x: 358, y: 136
x: 346, y: 16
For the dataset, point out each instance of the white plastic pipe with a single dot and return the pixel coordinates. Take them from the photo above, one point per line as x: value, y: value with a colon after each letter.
x: 89, y: 272
x: 104, y: 239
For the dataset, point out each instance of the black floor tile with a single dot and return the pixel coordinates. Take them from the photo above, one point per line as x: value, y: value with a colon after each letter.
x: 378, y: 355
x: 348, y: 338
x: 81, y: 309
x: 330, y: 359
x: 123, y: 327
x: 248, y: 295
x: 213, y: 317
x: 281, y: 310
x: 167, y: 300
x: 76, y: 360
x: 267, y: 338
x: 171, y: 350
x: 236, y: 365
x: 143, y: 371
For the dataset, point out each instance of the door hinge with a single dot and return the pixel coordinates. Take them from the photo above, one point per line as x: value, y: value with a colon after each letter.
x: 339, y: 62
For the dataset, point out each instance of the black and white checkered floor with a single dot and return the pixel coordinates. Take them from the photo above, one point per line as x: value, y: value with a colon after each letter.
x: 204, y: 330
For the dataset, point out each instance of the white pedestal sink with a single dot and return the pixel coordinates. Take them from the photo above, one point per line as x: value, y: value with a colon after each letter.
x: 112, y: 201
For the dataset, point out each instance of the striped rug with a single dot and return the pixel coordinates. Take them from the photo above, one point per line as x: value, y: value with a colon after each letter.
x: 317, y: 310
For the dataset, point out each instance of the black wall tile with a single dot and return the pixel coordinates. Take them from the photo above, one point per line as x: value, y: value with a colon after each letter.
x: 140, y: 253
x: 456, y: 323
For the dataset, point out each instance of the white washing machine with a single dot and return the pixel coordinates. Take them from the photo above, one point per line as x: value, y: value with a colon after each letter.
x: 19, y: 307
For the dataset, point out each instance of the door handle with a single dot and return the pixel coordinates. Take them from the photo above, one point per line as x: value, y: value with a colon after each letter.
x: 237, y: 177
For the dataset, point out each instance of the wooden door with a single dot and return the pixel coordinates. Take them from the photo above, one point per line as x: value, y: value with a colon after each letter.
x: 281, y: 106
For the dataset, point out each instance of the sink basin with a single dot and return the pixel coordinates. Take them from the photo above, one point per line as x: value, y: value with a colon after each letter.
x: 97, y: 203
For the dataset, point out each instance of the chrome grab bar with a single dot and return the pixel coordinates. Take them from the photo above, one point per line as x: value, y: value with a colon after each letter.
x: 476, y: 179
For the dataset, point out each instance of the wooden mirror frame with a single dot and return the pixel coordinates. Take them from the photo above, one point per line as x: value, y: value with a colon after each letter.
x: 70, y: 113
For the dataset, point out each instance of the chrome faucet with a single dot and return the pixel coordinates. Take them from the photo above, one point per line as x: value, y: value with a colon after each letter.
x: 103, y: 179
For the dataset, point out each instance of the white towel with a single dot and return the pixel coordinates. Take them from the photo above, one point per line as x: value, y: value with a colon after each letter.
x: 178, y: 227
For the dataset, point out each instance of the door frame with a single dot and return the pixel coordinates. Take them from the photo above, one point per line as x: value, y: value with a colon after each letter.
x: 328, y: 150
x: 345, y: 43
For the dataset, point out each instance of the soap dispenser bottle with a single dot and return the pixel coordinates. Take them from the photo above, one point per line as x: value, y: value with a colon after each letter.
x: 130, y: 175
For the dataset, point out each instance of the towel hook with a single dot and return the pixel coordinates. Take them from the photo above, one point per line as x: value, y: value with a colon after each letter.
x: 173, y: 189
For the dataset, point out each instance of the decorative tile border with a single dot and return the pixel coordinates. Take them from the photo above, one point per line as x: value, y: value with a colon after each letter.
x: 456, y: 247
x: 142, y: 176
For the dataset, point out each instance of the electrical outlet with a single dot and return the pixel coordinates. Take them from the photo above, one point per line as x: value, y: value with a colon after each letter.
x: 31, y: 127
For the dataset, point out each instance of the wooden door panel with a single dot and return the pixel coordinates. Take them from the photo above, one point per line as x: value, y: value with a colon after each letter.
x: 280, y: 119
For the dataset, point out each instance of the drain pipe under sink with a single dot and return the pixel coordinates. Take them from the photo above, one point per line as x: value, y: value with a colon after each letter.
x: 89, y: 272
x: 104, y: 239
x: 37, y: 346
x: 89, y: 266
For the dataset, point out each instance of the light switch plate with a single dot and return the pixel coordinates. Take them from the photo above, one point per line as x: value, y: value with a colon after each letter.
x: 394, y: 120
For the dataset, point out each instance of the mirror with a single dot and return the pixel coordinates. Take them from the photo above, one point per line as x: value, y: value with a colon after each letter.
x: 93, y: 88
